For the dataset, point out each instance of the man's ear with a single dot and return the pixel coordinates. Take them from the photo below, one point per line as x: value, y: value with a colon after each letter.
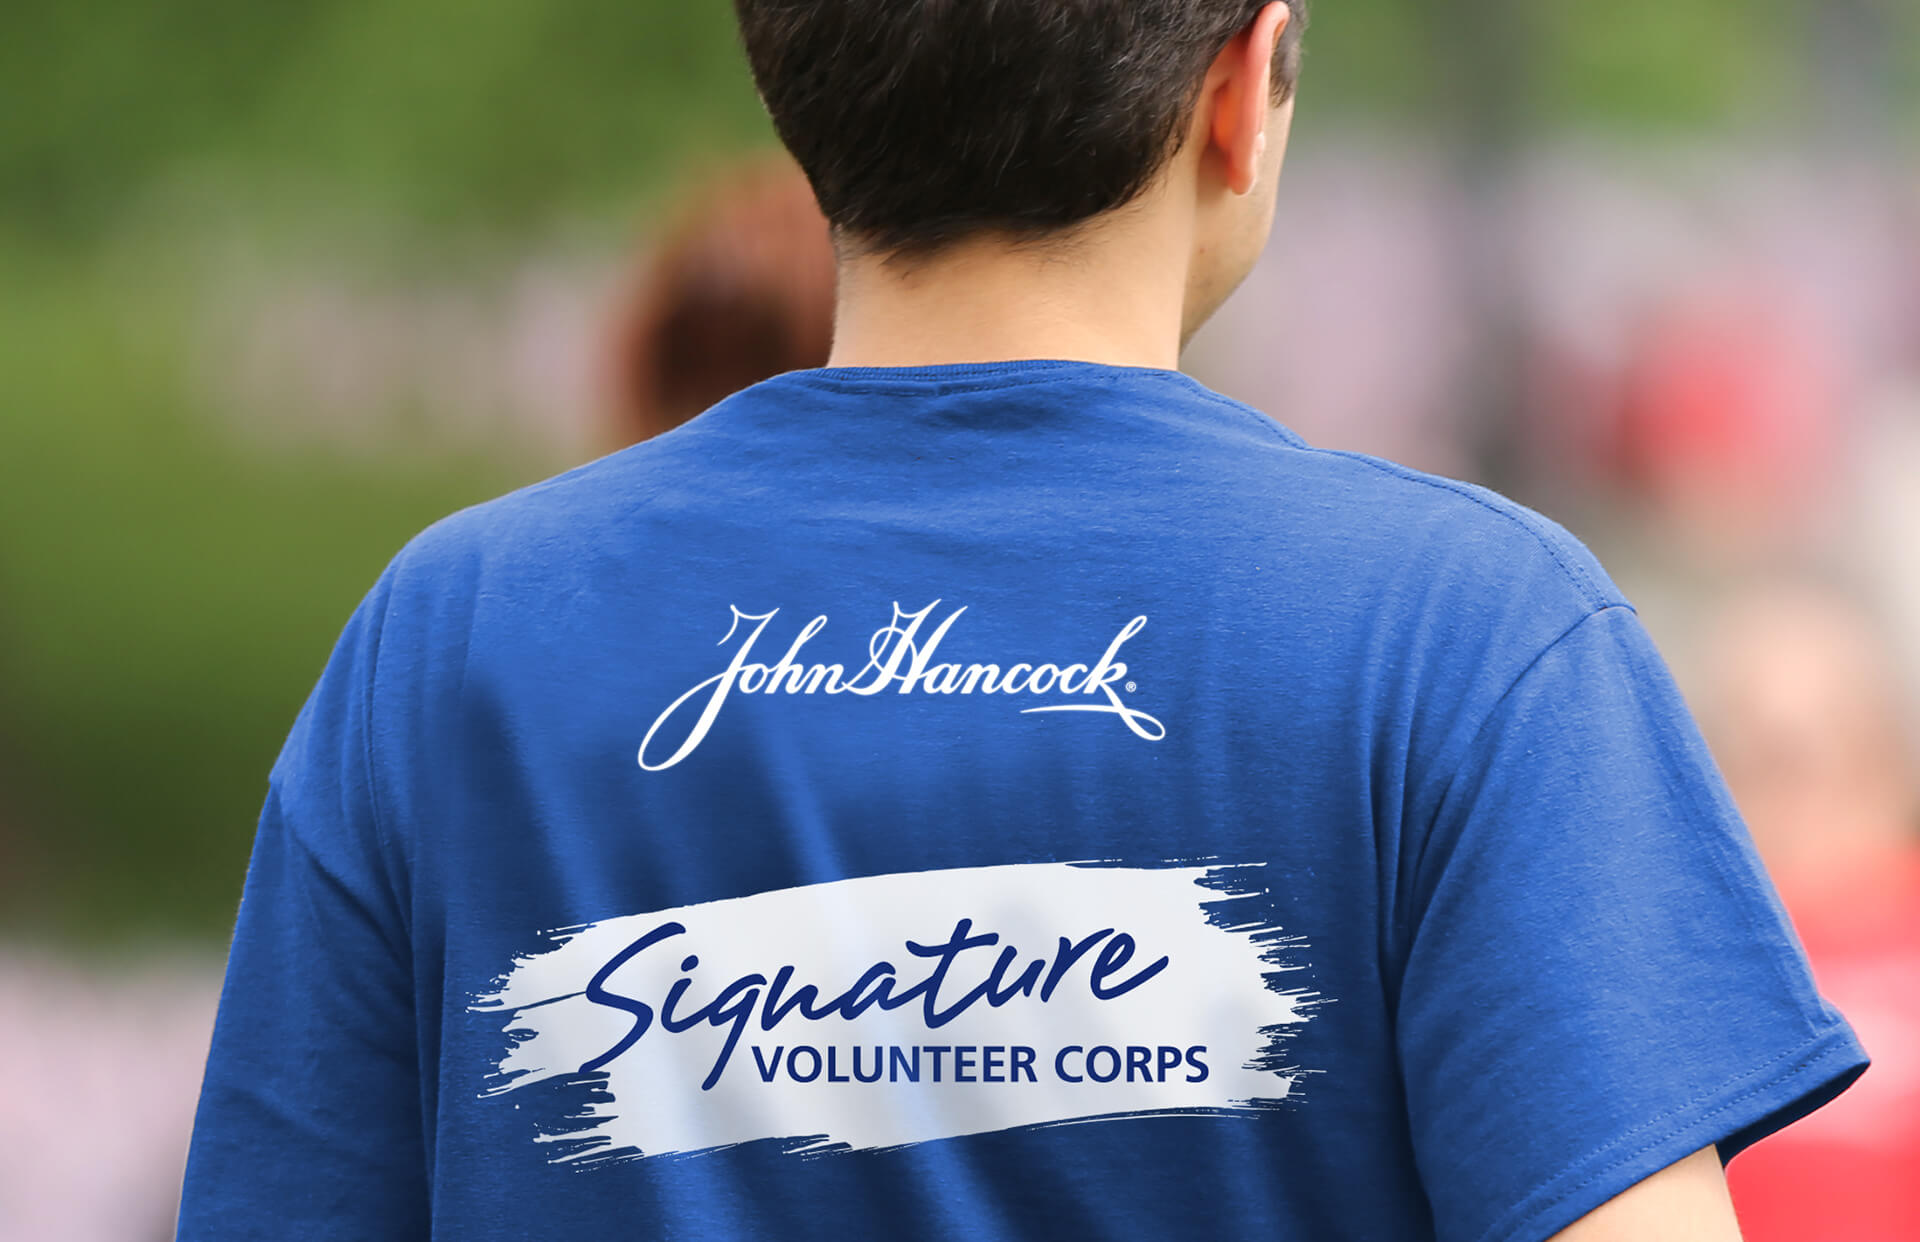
x: 1239, y: 91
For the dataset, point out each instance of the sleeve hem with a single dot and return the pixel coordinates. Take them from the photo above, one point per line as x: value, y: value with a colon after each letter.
x: 1737, y: 1114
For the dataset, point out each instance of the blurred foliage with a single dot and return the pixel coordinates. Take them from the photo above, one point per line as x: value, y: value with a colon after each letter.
x: 476, y: 111
x: 167, y: 595
x: 500, y: 112
x: 166, y: 600
x: 1661, y: 64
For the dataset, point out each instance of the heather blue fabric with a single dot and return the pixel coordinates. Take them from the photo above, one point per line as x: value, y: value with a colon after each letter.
x: 1542, y: 959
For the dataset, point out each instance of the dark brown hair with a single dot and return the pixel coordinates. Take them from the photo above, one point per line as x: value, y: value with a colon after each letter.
x: 922, y: 121
x: 738, y: 289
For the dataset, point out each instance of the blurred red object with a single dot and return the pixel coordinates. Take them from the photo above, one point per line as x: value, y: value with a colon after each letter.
x: 738, y: 289
x: 1851, y: 1172
x: 1727, y: 415
x: 1806, y: 717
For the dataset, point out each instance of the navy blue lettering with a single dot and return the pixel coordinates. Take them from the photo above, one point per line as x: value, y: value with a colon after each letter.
x: 995, y: 996
x: 1193, y: 1059
x: 732, y: 1009
x: 1060, y: 1064
x: 733, y: 1005
x: 1064, y: 959
x: 879, y: 1064
x: 793, y: 1062
x: 851, y: 1004
x: 1113, y: 1055
x: 674, y: 993
x: 1021, y: 986
x: 1114, y: 955
x: 958, y: 943
x: 767, y: 1068
x: 777, y: 1009
x: 642, y: 1013
x: 1139, y: 1060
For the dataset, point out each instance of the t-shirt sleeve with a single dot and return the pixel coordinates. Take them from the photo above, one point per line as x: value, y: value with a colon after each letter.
x: 309, y: 1124
x: 1597, y: 977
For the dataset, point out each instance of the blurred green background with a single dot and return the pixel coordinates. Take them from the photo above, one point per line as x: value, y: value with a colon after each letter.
x: 171, y: 580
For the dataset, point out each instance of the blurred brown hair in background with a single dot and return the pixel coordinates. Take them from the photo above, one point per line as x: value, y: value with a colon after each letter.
x: 738, y: 289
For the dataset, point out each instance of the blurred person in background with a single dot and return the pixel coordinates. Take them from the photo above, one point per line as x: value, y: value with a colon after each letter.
x: 737, y: 288
x: 541, y: 901
x: 1803, y: 701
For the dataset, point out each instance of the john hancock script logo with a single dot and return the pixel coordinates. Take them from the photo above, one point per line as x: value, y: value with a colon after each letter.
x: 900, y: 657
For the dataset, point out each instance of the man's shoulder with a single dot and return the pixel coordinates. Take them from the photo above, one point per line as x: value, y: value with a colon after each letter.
x: 1462, y: 523
x: 550, y: 524
x: 1365, y: 521
x: 1372, y: 514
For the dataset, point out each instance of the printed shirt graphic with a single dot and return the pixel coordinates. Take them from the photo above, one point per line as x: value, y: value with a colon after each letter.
x: 1247, y: 840
x: 900, y: 657
x: 898, y: 1009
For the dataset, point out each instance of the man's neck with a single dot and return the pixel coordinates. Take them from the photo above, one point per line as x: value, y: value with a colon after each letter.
x: 1111, y: 294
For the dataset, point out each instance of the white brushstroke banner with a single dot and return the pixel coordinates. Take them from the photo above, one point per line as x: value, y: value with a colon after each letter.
x: 895, y: 1009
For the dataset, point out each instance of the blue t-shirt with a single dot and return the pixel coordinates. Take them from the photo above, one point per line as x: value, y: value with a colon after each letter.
x: 1031, y: 800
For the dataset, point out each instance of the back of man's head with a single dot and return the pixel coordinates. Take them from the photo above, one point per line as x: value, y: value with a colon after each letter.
x: 920, y: 122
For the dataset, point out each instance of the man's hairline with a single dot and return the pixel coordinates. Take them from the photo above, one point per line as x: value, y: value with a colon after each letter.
x: 1060, y: 242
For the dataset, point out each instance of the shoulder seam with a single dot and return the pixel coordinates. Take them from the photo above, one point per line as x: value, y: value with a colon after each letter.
x: 1494, y: 708
x: 1444, y: 789
x: 1582, y: 581
x: 1272, y: 425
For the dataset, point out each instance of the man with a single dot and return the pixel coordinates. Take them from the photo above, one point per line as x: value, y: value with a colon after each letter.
x: 993, y: 787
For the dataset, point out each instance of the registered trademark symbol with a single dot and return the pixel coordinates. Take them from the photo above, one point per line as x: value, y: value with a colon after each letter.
x: 1131, y: 687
